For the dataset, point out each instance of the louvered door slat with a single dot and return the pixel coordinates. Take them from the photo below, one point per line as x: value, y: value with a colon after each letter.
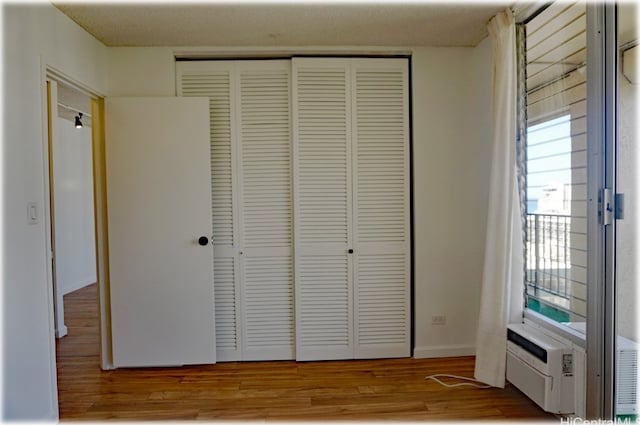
x: 381, y: 208
x: 225, y: 295
x: 268, y: 283
x: 216, y: 81
x: 264, y: 129
x: 322, y: 193
x: 217, y: 86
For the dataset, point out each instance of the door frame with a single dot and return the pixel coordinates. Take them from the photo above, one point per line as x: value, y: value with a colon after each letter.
x: 50, y: 219
x: 602, y: 117
x: 51, y: 73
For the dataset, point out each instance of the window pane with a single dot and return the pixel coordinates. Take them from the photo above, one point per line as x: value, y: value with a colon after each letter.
x: 556, y: 240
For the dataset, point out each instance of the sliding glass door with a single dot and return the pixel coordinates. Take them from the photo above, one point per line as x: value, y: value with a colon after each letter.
x: 579, y: 160
x: 626, y: 383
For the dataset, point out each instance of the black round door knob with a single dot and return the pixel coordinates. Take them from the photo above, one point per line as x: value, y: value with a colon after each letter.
x: 350, y: 251
x: 203, y: 241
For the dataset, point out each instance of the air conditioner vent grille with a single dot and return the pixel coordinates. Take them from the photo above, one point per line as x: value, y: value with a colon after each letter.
x: 627, y: 379
x: 523, y: 342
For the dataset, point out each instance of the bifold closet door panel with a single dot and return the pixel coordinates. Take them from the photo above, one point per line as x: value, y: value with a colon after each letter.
x: 216, y: 81
x: 322, y: 214
x: 265, y: 209
x: 252, y: 203
x: 381, y: 208
x: 315, y: 150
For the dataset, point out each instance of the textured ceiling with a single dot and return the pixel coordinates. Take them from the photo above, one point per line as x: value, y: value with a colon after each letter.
x: 364, y: 23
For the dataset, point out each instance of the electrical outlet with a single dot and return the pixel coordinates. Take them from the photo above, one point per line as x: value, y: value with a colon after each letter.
x: 438, y: 320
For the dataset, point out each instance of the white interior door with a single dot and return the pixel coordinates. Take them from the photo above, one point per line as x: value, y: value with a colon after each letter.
x: 159, y: 200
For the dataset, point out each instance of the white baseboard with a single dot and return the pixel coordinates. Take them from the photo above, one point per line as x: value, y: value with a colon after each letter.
x: 61, y: 332
x: 66, y: 289
x: 430, y: 352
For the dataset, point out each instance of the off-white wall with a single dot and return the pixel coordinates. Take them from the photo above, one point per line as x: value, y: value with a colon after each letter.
x: 452, y: 158
x: 74, y: 221
x: 141, y: 71
x: 31, y: 33
x: 451, y: 97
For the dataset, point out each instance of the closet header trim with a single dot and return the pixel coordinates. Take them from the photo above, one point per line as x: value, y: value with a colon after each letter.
x: 283, y: 56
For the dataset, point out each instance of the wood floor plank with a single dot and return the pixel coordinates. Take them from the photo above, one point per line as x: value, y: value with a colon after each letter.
x: 352, y: 390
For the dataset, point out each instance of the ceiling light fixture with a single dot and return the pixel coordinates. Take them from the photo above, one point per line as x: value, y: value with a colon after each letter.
x: 78, y: 118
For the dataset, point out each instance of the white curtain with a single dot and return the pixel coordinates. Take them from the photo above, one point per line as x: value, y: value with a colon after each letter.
x: 501, y: 299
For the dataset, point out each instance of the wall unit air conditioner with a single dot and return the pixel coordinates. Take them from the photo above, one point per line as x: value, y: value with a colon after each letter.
x: 541, y: 367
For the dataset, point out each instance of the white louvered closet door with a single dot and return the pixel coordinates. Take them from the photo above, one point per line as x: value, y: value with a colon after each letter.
x: 216, y: 80
x: 382, y: 258
x: 252, y: 203
x: 322, y: 195
x: 350, y: 179
x: 351, y: 191
x: 265, y: 210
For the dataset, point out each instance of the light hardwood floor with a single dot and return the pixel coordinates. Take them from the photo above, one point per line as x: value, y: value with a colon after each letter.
x: 285, y: 390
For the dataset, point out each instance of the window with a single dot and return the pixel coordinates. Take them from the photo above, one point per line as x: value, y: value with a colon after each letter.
x: 554, y: 85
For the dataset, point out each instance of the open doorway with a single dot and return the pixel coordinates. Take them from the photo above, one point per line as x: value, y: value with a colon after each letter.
x: 71, y: 203
x: 74, y: 162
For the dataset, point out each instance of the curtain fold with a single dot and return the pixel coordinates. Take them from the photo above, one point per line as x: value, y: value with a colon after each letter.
x: 502, y: 283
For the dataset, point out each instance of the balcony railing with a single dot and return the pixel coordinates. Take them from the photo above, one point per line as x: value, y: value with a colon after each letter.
x: 548, y: 258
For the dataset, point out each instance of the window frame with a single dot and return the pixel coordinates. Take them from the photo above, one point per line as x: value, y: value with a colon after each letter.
x: 523, y: 17
x: 600, y: 338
